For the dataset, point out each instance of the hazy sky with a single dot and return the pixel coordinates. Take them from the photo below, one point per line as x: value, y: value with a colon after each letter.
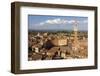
x: 42, y: 22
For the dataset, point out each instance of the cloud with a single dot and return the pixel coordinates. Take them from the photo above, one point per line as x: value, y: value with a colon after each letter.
x: 71, y: 21
x: 59, y: 21
x: 54, y: 21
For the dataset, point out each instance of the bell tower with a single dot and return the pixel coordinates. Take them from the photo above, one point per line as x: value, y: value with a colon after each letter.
x: 75, y: 29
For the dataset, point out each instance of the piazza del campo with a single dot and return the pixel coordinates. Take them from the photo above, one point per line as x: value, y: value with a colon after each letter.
x: 47, y: 45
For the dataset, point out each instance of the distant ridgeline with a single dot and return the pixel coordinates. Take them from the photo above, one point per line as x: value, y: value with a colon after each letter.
x: 63, y: 31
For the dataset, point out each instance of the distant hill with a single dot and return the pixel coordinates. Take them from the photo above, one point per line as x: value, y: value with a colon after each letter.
x: 55, y: 30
